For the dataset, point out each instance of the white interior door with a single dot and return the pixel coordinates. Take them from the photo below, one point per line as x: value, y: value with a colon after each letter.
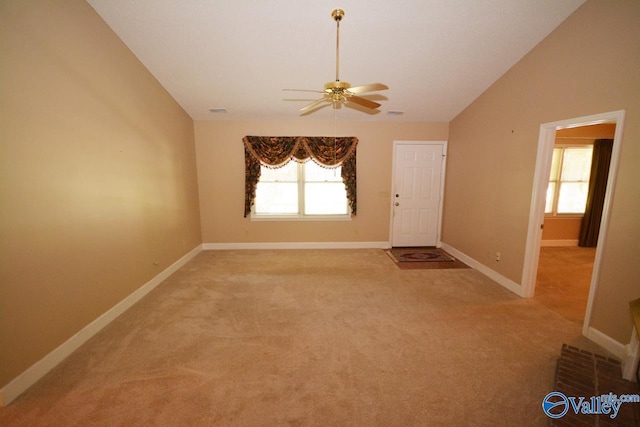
x: 416, y: 198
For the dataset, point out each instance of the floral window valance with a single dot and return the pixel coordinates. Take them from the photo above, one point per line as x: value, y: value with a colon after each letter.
x: 277, y: 151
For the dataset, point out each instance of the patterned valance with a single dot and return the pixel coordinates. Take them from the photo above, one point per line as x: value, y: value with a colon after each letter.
x: 277, y: 151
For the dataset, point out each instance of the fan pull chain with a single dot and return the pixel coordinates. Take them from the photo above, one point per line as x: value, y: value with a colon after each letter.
x: 335, y: 145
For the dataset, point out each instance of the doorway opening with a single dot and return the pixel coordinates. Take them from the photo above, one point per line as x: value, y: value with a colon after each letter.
x: 579, y: 171
x: 546, y: 143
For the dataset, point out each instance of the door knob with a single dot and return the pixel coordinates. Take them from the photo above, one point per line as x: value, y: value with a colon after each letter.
x: 397, y: 204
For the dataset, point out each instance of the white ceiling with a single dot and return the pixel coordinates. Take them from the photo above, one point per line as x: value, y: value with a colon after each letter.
x: 436, y: 56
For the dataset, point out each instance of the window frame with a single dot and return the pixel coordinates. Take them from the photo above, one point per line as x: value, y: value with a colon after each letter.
x: 554, y: 205
x: 300, y: 215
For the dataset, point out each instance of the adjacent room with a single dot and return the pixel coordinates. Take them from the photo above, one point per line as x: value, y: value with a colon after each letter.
x: 580, y: 167
x: 194, y: 222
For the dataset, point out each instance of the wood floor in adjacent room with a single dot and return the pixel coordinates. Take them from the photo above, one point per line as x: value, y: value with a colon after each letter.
x: 311, y: 337
x: 563, y: 281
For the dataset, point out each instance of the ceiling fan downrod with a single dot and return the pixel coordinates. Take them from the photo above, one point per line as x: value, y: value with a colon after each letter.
x: 337, y: 15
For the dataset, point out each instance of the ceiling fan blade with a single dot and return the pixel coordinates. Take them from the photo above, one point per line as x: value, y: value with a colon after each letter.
x: 364, y: 102
x: 313, y: 105
x: 303, y: 90
x: 367, y: 88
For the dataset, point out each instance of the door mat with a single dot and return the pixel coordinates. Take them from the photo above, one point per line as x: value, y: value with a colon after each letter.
x: 419, y: 255
x: 580, y: 373
x: 423, y: 258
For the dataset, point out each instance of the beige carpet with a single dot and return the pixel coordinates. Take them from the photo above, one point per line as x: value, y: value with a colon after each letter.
x: 563, y: 280
x: 318, y: 337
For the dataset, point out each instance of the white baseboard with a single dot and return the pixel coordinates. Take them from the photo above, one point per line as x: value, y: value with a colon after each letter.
x: 492, y: 274
x: 22, y: 382
x: 612, y: 346
x: 632, y: 359
x: 297, y: 245
x: 627, y: 353
x: 571, y: 242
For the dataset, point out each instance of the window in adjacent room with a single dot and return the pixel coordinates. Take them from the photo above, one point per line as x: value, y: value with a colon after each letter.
x: 302, y: 190
x: 569, y: 180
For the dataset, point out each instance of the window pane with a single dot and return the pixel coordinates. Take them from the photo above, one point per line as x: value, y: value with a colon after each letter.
x: 325, y: 198
x: 555, y: 164
x: 576, y: 165
x: 572, y: 197
x: 315, y: 173
x: 548, y: 206
x: 279, y: 190
x: 276, y: 198
x: 288, y: 172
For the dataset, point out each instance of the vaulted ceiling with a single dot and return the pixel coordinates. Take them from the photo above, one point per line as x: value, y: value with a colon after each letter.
x: 436, y: 56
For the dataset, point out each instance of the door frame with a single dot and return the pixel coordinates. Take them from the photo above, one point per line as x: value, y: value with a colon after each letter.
x: 393, y: 185
x: 546, y: 142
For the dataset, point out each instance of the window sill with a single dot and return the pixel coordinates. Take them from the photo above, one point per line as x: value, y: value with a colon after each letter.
x: 300, y: 218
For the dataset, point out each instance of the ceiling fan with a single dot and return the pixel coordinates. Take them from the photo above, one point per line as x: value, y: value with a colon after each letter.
x: 338, y: 92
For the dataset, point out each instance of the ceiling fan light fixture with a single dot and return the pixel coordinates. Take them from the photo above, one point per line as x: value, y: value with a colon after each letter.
x: 339, y: 92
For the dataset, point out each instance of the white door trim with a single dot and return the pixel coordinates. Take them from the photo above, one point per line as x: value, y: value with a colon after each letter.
x: 393, y: 185
x: 630, y: 353
x: 546, y: 142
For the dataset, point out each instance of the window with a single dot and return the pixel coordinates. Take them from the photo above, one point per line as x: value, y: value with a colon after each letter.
x: 279, y: 150
x: 301, y: 191
x: 569, y: 180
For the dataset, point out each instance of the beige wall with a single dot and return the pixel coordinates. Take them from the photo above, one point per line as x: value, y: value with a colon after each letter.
x: 588, y: 65
x: 591, y: 132
x: 97, y: 176
x: 560, y: 228
x: 220, y: 156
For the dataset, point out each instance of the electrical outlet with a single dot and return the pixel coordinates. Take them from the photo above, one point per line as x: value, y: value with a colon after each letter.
x: 498, y: 256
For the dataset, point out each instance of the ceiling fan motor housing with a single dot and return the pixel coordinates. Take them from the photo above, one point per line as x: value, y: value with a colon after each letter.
x: 336, y: 86
x: 337, y: 90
